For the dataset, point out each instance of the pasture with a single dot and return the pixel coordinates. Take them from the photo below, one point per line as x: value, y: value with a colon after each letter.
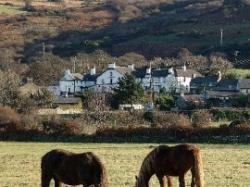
x: 224, y: 165
x: 10, y: 10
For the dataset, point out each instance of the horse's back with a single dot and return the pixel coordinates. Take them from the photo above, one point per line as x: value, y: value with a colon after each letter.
x: 176, y: 159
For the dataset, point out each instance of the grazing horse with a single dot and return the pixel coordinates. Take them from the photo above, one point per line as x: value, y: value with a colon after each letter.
x: 73, y: 169
x: 165, y: 162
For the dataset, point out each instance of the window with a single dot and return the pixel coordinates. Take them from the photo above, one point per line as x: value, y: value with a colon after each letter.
x: 111, y: 74
x: 111, y: 81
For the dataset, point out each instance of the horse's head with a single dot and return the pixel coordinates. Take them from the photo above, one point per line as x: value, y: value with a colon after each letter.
x: 139, y: 182
x: 136, y: 181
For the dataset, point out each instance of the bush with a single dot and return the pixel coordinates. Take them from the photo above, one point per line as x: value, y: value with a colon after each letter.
x: 57, y: 126
x: 10, y: 121
x: 201, y: 118
x: 167, y: 119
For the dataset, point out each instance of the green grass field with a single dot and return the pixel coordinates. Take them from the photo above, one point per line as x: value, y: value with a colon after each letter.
x: 239, y: 72
x: 224, y: 165
x: 10, y: 10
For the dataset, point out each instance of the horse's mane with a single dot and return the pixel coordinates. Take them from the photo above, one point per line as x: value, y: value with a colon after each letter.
x: 148, y: 164
x: 103, y: 173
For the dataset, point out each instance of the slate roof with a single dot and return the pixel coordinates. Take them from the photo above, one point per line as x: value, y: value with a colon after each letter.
x: 74, y: 76
x: 160, y: 73
x: 244, y: 84
x: 67, y: 100
x: 186, y: 73
x: 89, y: 77
x: 204, y: 81
x: 141, y: 72
x: 227, y: 85
x: 218, y: 94
x: 123, y: 70
x: 193, y: 98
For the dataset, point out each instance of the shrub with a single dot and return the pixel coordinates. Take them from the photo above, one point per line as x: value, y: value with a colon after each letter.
x: 30, y: 122
x: 201, y: 118
x: 10, y: 121
x: 167, y: 119
x: 57, y: 126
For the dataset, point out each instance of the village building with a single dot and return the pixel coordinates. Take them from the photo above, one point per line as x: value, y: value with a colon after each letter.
x: 151, y: 79
x: 183, y: 77
x: 155, y: 79
x: 70, y: 83
x: 201, y: 84
x: 244, y: 86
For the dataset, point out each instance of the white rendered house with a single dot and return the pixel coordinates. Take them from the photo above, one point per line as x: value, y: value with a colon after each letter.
x: 155, y: 79
x: 183, y: 77
x: 70, y: 83
x: 108, y: 79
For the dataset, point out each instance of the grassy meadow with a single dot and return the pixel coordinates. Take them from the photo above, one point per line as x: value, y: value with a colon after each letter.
x: 10, y: 10
x: 224, y: 165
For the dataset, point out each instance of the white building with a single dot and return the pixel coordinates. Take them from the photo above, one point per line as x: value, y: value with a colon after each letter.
x: 183, y: 77
x: 70, y: 83
x: 107, y: 80
x: 155, y: 79
x: 151, y: 79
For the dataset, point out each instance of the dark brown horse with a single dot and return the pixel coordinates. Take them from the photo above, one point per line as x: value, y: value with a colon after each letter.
x: 73, y: 169
x: 165, y: 162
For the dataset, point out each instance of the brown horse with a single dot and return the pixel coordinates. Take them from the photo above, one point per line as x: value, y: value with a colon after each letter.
x: 73, y: 169
x: 165, y: 162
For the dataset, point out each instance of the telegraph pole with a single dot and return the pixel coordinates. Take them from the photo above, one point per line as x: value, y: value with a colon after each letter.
x: 221, y: 37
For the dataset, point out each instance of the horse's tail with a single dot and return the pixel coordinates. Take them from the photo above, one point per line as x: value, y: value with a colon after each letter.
x: 199, y: 173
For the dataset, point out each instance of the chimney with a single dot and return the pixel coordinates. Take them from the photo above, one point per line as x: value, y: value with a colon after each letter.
x: 184, y: 67
x: 171, y: 70
x: 67, y: 72
x: 219, y: 76
x: 111, y: 66
x: 92, y: 71
x: 148, y: 70
x: 131, y: 67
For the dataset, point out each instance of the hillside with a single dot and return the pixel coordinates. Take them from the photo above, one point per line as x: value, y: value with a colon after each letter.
x: 151, y: 28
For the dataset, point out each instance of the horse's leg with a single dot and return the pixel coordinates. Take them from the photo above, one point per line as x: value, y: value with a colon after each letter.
x: 162, y: 180
x: 182, y: 181
x: 193, y: 177
x: 57, y: 183
x: 170, y: 181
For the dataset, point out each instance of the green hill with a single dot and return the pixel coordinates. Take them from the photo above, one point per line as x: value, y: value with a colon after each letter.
x: 151, y: 28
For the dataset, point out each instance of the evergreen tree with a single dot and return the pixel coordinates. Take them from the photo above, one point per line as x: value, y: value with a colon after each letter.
x: 128, y: 90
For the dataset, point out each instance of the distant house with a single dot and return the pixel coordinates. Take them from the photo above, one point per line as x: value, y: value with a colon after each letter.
x: 70, y: 83
x: 105, y: 81
x: 110, y: 77
x: 155, y: 79
x: 89, y: 79
x: 187, y: 102
x: 244, y: 86
x: 183, y: 78
x: 131, y: 107
x: 200, y: 84
x: 150, y: 79
x: 63, y: 105
x: 68, y: 105
x: 227, y: 85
